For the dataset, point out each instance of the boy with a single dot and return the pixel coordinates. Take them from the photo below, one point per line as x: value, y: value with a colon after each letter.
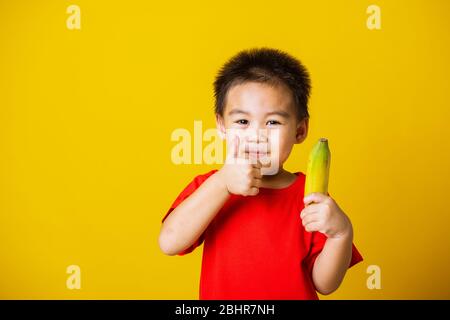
x: 262, y: 239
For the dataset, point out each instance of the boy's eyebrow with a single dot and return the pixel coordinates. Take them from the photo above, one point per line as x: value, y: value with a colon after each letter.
x: 235, y: 111
x: 283, y: 114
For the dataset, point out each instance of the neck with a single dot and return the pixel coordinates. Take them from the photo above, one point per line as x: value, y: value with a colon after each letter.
x: 279, y: 180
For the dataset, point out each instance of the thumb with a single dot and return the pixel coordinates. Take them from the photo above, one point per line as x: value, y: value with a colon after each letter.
x: 315, y: 197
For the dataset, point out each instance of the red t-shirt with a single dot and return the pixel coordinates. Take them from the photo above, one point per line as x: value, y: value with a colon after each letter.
x: 256, y: 247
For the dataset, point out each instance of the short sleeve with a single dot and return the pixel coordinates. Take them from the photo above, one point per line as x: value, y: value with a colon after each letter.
x: 187, y: 191
x: 317, y: 243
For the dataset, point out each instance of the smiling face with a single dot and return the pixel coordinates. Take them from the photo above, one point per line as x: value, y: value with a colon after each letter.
x: 255, y: 111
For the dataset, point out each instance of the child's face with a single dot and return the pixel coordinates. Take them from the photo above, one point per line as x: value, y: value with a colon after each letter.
x: 257, y: 111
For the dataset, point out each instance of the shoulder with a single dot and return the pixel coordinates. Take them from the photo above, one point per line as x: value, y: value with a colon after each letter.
x: 300, y: 174
x: 299, y: 189
x: 299, y: 182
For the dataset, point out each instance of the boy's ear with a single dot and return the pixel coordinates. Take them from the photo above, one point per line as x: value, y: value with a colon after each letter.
x: 301, y: 131
x: 220, y: 126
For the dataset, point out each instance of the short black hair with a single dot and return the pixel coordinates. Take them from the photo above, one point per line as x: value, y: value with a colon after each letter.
x: 264, y: 65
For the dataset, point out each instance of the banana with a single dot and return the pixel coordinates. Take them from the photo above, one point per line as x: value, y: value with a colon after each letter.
x: 318, y: 169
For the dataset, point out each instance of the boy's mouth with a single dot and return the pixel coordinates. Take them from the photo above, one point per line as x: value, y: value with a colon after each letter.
x: 257, y: 154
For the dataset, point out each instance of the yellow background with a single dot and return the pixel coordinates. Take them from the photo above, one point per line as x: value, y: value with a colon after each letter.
x: 86, y: 117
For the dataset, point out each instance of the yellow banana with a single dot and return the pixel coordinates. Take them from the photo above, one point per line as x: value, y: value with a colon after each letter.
x: 318, y: 169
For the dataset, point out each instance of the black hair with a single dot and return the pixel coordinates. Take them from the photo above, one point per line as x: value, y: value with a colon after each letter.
x: 264, y: 65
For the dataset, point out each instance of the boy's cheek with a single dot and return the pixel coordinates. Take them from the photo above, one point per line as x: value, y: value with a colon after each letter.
x: 283, y: 151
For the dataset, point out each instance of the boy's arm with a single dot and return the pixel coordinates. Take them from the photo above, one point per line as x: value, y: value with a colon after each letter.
x: 322, y: 214
x: 186, y: 223
x: 332, y: 263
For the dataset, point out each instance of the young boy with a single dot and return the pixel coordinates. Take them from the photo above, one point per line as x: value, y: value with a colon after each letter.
x: 262, y: 238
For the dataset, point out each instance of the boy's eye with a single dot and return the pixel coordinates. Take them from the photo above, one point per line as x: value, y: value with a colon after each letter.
x: 242, y: 121
x: 273, y: 122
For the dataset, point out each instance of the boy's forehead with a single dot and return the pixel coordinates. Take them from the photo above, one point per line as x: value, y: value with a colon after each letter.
x: 257, y: 98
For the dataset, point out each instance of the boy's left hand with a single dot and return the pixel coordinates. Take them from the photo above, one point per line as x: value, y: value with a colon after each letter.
x: 321, y: 213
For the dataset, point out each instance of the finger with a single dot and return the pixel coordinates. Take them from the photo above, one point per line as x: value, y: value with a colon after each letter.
x: 312, y: 226
x: 252, y: 159
x: 253, y: 191
x: 233, y: 147
x: 265, y: 161
x: 308, y: 210
x: 257, y: 164
x: 312, y: 207
x: 309, y: 218
x: 315, y: 197
x: 256, y: 172
x: 256, y: 182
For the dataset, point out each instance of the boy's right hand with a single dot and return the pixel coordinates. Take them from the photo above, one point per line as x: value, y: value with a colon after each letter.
x: 241, y: 176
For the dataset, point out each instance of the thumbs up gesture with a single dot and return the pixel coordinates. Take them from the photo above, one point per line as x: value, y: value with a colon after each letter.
x: 240, y: 175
